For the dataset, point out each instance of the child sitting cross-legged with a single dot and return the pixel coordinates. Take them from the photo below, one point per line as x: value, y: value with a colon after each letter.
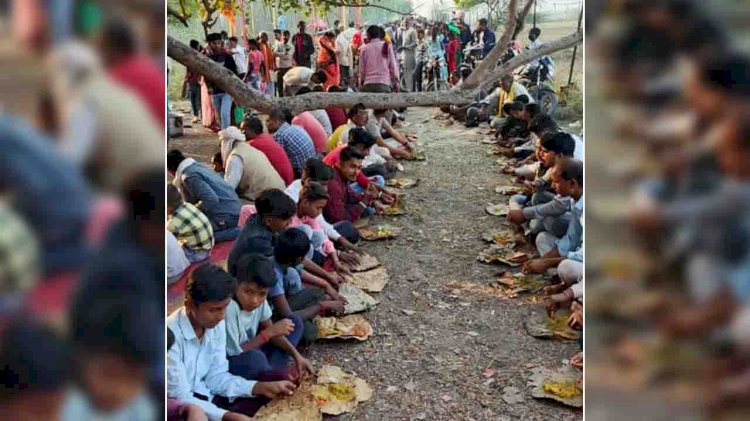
x: 288, y: 295
x: 255, y: 344
x: 313, y: 199
x: 190, y: 226
x: 197, y: 366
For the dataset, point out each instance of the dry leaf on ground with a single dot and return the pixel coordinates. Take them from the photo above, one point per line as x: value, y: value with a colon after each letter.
x: 357, y: 300
x: 539, y: 325
x: 403, y: 183
x: 502, y: 254
x: 508, y: 190
x: 347, y: 327
x: 379, y: 232
x: 499, y: 237
x: 366, y: 262
x: 560, y: 385
x: 500, y: 209
x: 301, y: 406
x: 395, y: 209
x: 338, y: 392
x: 371, y: 281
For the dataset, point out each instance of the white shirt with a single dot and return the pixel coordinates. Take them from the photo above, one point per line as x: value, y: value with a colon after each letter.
x: 243, y: 325
x: 579, y: 151
x: 284, y: 55
x: 344, y: 55
x: 298, y: 76
x: 176, y: 260
x: 293, y: 191
x: 240, y: 59
x: 201, y: 366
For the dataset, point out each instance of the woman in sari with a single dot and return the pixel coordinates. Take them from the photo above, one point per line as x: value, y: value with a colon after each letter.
x: 270, y: 64
x: 327, y: 59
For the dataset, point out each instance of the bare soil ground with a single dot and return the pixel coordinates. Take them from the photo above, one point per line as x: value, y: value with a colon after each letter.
x: 428, y: 365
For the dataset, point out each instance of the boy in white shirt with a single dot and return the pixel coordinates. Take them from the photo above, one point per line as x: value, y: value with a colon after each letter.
x: 197, y: 366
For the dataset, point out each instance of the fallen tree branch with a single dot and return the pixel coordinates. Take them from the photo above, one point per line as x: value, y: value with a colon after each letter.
x: 249, y: 98
x: 376, y: 6
x: 530, y: 55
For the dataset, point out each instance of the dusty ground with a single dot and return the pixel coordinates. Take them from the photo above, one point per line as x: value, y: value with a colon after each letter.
x: 428, y: 365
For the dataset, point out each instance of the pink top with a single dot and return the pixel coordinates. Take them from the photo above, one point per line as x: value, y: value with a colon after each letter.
x: 313, y: 127
x: 313, y: 223
x: 374, y: 68
x: 255, y: 57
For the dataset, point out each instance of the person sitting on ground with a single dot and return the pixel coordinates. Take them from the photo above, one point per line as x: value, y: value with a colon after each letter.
x: 217, y: 164
x: 177, y: 410
x: 313, y: 199
x: 312, y: 126
x: 255, y: 344
x: 247, y: 169
x: 177, y: 262
x: 252, y: 128
x: 538, y: 127
x: 398, y: 145
x: 320, y: 115
x: 197, y: 366
x: 343, y: 233
x: 345, y: 204
x: 508, y: 91
x: 209, y: 192
x: 299, y: 76
x: 190, y: 226
x: 297, y: 144
x: 553, y: 250
x: 514, y: 129
x: 336, y: 115
x: 362, y: 141
x: 289, y: 296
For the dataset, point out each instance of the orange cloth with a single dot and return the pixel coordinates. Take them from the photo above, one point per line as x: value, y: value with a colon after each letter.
x: 269, y: 60
x: 327, y: 61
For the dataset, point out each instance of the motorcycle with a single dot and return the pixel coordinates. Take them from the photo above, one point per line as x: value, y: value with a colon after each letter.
x: 431, y: 73
x: 473, y: 55
x: 539, y: 81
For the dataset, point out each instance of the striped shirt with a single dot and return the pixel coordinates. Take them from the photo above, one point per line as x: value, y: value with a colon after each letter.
x: 191, y: 227
x: 297, y: 144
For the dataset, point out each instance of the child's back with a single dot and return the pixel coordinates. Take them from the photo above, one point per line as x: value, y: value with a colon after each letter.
x: 192, y: 228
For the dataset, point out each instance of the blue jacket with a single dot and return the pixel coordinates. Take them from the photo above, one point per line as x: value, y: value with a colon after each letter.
x: 220, y: 202
x: 47, y: 191
x: 489, y: 41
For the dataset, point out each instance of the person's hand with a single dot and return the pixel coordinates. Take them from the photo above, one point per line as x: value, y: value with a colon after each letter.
x: 334, y: 294
x: 234, y: 416
x: 372, y: 192
x: 516, y: 216
x: 647, y: 215
x: 350, y: 258
x: 379, y: 207
x: 557, y: 301
x: 335, y: 279
x: 388, y: 198
x: 304, y: 366
x: 534, y: 266
x: 342, y: 269
x: 273, y: 389
x: 333, y: 306
x: 281, y: 328
x: 575, y: 321
x: 192, y: 412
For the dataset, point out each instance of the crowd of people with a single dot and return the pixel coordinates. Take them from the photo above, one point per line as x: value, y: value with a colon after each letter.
x: 409, y: 55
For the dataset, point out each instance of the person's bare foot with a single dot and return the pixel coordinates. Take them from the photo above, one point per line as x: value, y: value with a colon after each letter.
x: 554, y: 289
x: 577, y: 360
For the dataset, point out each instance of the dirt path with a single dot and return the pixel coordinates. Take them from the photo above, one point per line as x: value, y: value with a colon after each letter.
x: 429, y: 365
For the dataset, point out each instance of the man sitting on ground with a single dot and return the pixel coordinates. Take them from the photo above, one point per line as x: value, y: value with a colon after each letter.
x: 252, y: 128
x: 205, y: 189
x: 246, y: 169
x: 297, y: 144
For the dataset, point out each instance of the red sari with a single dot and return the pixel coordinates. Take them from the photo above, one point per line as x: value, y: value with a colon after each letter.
x: 327, y: 62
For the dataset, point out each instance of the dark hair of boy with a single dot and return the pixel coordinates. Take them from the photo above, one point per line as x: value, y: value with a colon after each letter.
x: 288, y: 116
x: 506, y: 108
x: 277, y: 31
x: 361, y: 137
x: 252, y: 42
x: 195, y: 44
x: 314, y: 191
x: 303, y: 90
x: 524, y: 99
x: 356, y: 108
x: 317, y: 170
x: 291, y: 247
x: 572, y: 169
x: 213, y: 37
x: 276, y: 204
x: 516, y: 106
x: 566, y: 144
x: 253, y: 124
x: 209, y: 283
x: 349, y: 153
x: 217, y: 158
x: 233, y: 39
x: 256, y: 268
x: 174, y: 198
x: 286, y: 33
x: 543, y: 123
x: 33, y: 358
x: 174, y: 158
x: 170, y: 339
x: 465, y: 72
x: 277, y: 113
x: 320, y: 76
x: 318, y: 88
x: 533, y: 109
x: 727, y: 73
